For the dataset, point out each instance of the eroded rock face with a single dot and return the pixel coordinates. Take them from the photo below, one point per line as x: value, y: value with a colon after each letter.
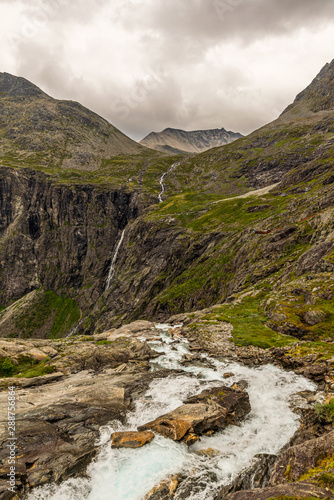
x: 298, y: 490
x: 298, y: 460
x: 131, y: 439
x: 212, y: 410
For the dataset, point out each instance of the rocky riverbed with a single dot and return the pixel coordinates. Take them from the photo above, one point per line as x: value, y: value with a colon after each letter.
x: 140, y: 379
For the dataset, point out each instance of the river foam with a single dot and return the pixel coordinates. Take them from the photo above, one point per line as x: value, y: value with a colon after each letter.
x: 128, y: 474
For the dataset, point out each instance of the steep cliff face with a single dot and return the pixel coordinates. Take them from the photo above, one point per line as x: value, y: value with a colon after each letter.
x: 58, y: 238
x: 198, y: 248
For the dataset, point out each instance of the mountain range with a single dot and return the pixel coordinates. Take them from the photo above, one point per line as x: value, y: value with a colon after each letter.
x: 175, y: 141
x: 61, y: 218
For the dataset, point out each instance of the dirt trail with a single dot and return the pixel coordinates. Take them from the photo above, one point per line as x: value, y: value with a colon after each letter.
x: 257, y: 192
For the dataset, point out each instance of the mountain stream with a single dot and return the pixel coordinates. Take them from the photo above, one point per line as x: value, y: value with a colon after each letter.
x: 128, y: 474
x: 162, y: 179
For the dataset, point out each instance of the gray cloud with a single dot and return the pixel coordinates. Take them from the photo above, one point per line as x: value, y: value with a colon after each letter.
x: 149, y: 64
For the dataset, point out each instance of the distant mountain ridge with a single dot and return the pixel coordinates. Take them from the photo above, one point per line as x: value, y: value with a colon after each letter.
x: 176, y: 141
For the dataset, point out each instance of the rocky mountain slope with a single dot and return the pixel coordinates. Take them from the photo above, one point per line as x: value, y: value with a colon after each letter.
x: 199, y: 247
x: 241, y: 252
x: 175, y: 141
x: 37, y: 130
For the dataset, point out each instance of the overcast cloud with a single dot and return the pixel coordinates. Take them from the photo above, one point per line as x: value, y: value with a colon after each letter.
x: 150, y: 64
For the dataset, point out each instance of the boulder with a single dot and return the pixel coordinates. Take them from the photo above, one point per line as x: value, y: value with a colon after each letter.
x: 37, y: 354
x: 209, y: 452
x: 131, y: 439
x: 316, y: 372
x: 212, y: 410
x: 314, y: 317
x: 164, y: 490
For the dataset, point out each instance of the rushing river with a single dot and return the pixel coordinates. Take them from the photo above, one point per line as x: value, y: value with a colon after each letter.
x: 128, y: 474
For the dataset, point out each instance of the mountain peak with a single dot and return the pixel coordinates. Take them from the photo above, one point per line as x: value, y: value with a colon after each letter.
x: 16, y: 86
x: 319, y: 95
x: 177, y: 141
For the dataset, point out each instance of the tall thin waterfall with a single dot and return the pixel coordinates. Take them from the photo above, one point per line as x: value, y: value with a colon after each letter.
x: 113, y: 262
x: 162, y: 178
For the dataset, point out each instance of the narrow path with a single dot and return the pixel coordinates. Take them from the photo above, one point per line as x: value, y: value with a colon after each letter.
x: 257, y: 192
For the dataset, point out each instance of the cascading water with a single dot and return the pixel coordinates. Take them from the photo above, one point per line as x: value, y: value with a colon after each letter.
x: 113, y: 262
x: 128, y: 474
x: 162, y: 178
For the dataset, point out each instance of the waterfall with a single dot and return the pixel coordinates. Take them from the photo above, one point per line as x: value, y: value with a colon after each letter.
x: 113, y: 262
x: 162, y: 178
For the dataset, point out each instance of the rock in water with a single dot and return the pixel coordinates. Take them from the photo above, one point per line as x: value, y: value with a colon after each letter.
x: 165, y: 490
x: 212, y: 410
x: 131, y: 439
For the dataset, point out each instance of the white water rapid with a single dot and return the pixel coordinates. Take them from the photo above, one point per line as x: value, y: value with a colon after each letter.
x: 128, y: 474
x: 162, y: 178
x: 113, y: 262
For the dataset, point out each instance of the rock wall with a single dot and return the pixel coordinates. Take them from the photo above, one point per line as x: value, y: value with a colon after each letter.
x: 56, y: 236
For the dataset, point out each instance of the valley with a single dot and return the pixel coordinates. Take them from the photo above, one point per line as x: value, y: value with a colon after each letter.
x: 232, y: 249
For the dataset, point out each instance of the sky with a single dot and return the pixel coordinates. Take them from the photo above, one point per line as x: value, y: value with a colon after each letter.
x: 146, y: 65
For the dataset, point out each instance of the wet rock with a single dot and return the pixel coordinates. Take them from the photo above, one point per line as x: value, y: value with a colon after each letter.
x: 209, y: 452
x: 196, y: 484
x: 299, y: 490
x: 165, y: 490
x: 212, y: 410
x: 299, y: 459
x: 58, y: 423
x: 131, y: 439
x: 316, y: 372
x: 255, y: 476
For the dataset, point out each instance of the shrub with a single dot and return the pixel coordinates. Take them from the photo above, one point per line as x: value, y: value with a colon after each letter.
x: 6, y: 367
x: 325, y: 411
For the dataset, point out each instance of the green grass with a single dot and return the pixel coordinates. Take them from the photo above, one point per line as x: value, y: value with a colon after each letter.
x: 248, y: 320
x: 37, y: 371
x: 59, y: 312
x: 249, y: 327
x: 206, y: 212
x: 27, y: 368
x: 324, y: 350
x: 325, y: 411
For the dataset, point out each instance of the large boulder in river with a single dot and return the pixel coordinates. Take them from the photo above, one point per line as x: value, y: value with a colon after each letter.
x: 131, y: 439
x: 210, y: 411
